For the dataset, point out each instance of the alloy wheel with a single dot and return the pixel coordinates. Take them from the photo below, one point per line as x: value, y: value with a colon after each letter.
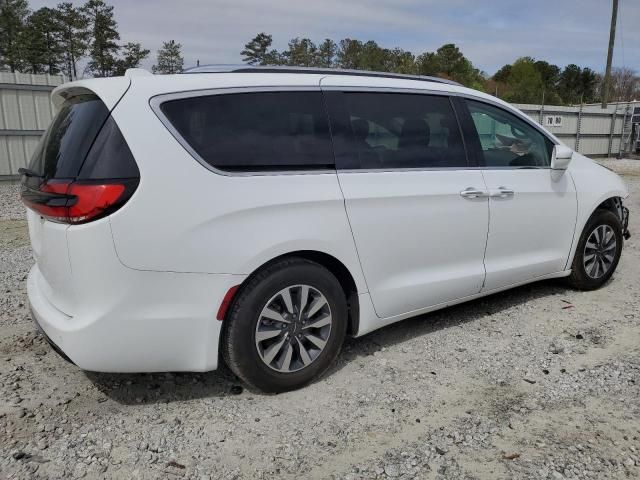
x: 600, y: 251
x: 293, y: 328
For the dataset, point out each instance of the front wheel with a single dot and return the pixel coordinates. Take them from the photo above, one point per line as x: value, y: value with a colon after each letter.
x: 286, y: 327
x: 598, y: 251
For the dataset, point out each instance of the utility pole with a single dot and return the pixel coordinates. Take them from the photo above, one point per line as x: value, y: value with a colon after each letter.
x: 612, y: 38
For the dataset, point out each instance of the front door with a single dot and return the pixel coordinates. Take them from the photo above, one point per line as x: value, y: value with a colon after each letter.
x: 420, y: 230
x: 532, y: 209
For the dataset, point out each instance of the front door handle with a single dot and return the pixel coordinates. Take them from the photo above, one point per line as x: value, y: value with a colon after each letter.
x: 501, y: 192
x: 471, y: 192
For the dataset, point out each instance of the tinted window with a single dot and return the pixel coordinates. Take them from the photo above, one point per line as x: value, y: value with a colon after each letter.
x: 397, y: 130
x: 66, y: 142
x: 255, y: 131
x: 508, y: 141
x: 109, y: 156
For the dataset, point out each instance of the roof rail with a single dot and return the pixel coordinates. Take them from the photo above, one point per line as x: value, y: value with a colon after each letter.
x: 234, y: 68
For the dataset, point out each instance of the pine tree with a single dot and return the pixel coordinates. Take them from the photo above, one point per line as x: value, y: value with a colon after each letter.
x: 350, y: 53
x: 132, y: 55
x: 327, y: 53
x: 302, y: 53
x: 103, y: 47
x: 12, y: 19
x: 256, y: 52
x: 169, y: 58
x: 75, y: 34
x: 40, y: 39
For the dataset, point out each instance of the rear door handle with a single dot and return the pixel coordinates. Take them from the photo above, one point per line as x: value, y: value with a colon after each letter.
x: 471, y: 192
x: 501, y: 192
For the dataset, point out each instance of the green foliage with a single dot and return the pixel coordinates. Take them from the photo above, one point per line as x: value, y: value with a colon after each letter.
x: 132, y: 55
x: 256, y: 52
x: 169, y: 58
x: 524, y: 82
x: 74, y: 36
x: 327, y: 52
x: 536, y: 81
x: 577, y: 84
x: 40, y: 43
x: 103, y: 47
x: 502, y: 75
x: 13, y: 14
x: 301, y: 52
x: 354, y: 54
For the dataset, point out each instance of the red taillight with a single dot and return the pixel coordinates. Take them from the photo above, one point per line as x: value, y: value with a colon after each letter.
x: 92, y: 200
x: 73, y: 202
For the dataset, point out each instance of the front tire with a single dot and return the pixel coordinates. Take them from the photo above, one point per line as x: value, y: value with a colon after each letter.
x: 598, y: 251
x: 286, y: 326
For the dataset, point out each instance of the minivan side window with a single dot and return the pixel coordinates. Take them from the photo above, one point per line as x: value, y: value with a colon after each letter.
x: 394, y: 131
x: 258, y: 131
x: 506, y: 140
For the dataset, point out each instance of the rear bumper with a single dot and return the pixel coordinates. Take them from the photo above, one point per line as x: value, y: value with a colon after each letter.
x: 137, y: 322
x: 51, y: 343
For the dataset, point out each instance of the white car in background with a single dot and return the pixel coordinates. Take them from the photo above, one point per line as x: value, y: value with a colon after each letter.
x: 264, y: 214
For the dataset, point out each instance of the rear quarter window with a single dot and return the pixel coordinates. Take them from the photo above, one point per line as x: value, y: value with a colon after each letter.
x: 63, y: 147
x: 261, y: 131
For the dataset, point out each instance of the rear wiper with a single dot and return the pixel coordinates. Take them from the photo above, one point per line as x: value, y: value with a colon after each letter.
x: 28, y: 172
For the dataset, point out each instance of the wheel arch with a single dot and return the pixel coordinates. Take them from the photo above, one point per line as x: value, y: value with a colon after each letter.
x: 331, y: 263
x: 611, y: 202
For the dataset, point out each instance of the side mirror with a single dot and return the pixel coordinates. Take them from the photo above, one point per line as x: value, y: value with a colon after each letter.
x: 561, y: 157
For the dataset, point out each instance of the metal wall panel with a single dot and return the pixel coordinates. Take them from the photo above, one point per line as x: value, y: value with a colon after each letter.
x: 25, y: 112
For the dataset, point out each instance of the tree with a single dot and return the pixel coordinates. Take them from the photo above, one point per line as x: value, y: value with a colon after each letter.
x: 428, y: 63
x: 373, y: 57
x: 169, y: 58
x: 448, y: 61
x: 549, y: 74
x: 577, y: 85
x: 349, y: 52
x: 588, y: 85
x: 401, y: 61
x: 524, y: 84
x: 502, y: 75
x: 256, y: 52
x: 301, y: 52
x: 624, y: 85
x: 103, y: 47
x: 40, y: 39
x: 75, y: 35
x: 132, y: 56
x: 327, y: 53
x: 12, y: 18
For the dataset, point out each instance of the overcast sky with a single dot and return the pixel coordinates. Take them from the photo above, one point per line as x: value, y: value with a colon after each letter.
x: 490, y: 33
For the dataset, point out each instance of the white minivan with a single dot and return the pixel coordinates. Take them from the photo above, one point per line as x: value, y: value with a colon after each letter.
x: 260, y: 215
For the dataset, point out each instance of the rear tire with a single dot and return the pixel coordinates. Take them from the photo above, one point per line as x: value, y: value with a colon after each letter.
x: 598, y: 251
x: 286, y: 326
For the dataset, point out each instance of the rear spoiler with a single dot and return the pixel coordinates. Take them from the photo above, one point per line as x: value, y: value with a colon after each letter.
x: 110, y: 90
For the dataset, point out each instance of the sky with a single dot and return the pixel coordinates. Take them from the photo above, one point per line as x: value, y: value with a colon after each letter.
x: 489, y: 33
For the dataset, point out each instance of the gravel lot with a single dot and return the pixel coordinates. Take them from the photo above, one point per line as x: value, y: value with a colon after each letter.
x: 538, y: 382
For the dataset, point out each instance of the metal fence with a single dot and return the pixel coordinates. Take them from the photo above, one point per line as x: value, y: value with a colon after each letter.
x: 26, y: 111
x: 588, y: 129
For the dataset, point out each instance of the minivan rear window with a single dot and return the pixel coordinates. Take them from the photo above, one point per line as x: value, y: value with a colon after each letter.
x: 255, y: 131
x: 64, y: 146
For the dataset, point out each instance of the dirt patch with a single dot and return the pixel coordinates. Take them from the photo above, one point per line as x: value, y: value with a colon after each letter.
x: 13, y: 233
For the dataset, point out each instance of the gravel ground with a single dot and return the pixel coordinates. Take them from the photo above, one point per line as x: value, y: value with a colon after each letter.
x: 538, y: 382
